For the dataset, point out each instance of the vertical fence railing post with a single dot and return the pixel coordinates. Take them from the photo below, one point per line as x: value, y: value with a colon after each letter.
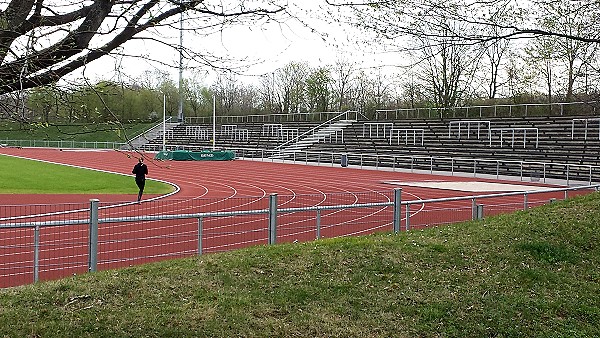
x: 36, y: 253
x: 272, y: 218
x: 521, y: 171
x: 407, y: 224
x: 93, y: 236
x: 479, y: 208
x: 497, y: 169
x: 525, y: 201
x: 318, y: 223
x: 474, y: 209
x: 544, y: 172
x: 561, y: 110
x: 397, y: 208
x: 199, y: 236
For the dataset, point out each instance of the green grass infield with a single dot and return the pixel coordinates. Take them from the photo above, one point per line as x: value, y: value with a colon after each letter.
x: 21, y: 176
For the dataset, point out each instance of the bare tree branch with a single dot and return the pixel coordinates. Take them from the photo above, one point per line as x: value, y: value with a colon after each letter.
x: 32, y: 54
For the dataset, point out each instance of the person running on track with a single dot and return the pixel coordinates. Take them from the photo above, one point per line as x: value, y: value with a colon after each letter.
x: 140, y: 170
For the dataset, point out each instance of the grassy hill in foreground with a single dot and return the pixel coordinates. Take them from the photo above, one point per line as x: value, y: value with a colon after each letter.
x: 526, y: 274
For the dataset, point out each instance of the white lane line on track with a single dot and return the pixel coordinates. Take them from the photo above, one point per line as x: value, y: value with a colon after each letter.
x: 330, y: 183
x: 175, y: 186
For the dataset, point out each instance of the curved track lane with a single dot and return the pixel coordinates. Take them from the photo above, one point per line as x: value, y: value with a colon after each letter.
x: 214, y: 186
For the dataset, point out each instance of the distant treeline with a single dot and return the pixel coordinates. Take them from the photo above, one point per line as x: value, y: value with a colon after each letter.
x: 292, y: 89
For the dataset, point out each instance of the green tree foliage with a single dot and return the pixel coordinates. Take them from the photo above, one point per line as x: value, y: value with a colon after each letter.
x: 318, y: 89
x: 108, y: 101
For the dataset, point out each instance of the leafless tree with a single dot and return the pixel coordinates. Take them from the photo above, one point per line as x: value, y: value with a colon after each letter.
x: 268, y: 94
x: 227, y: 93
x: 495, y: 52
x: 343, y: 73
x: 491, y: 25
x: 540, y: 56
x: 445, y: 66
x: 571, y: 18
x: 392, y: 19
x: 41, y: 41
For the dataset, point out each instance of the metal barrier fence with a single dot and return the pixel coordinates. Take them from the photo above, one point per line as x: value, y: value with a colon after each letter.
x: 534, y: 171
x: 589, y: 108
x: 500, y: 110
x: 63, y: 144
x: 477, y: 167
x: 291, y: 117
x: 43, y: 242
x: 522, y: 170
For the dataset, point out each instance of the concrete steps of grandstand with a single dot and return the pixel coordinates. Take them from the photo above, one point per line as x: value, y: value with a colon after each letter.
x: 317, y: 136
x: 154, y: 133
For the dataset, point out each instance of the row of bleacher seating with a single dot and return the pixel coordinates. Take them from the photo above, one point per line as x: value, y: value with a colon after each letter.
x: 545, y: 139
x: 230, y: 135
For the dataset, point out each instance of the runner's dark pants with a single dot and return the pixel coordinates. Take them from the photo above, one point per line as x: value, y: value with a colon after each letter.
x: 141, y: 183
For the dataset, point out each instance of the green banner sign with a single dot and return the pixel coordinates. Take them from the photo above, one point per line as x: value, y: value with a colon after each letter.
x: 204, y: 155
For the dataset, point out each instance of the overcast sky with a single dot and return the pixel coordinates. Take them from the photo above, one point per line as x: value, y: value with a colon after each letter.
x: 267, y: 47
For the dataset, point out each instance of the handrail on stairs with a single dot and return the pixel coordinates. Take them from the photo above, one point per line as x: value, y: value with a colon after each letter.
x: 146, y: 132
x: 297, y: 138
x: 158, y: 125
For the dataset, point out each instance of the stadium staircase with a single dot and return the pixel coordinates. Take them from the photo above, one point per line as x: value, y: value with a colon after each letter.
x: 152, y: 134
x: 335, y: 130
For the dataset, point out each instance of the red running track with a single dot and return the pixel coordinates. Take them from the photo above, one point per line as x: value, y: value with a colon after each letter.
x: 212, y: 186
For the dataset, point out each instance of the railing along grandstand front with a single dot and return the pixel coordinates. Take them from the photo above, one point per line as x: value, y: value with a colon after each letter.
x: 589, y: 108
x: 545, y: 172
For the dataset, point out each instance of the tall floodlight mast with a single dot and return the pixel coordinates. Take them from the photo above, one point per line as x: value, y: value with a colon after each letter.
x: 214, y: 120
x: 180, y: 117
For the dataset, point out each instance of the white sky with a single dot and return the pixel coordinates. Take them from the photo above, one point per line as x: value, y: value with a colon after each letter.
x: 277, y: 45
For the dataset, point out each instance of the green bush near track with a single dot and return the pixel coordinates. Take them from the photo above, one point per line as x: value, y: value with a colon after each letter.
x: 21, y: 176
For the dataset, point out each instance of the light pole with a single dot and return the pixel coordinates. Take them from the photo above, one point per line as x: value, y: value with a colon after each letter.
x: 164, y: 145
x: 214, y: 122
x: 180, y: 117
